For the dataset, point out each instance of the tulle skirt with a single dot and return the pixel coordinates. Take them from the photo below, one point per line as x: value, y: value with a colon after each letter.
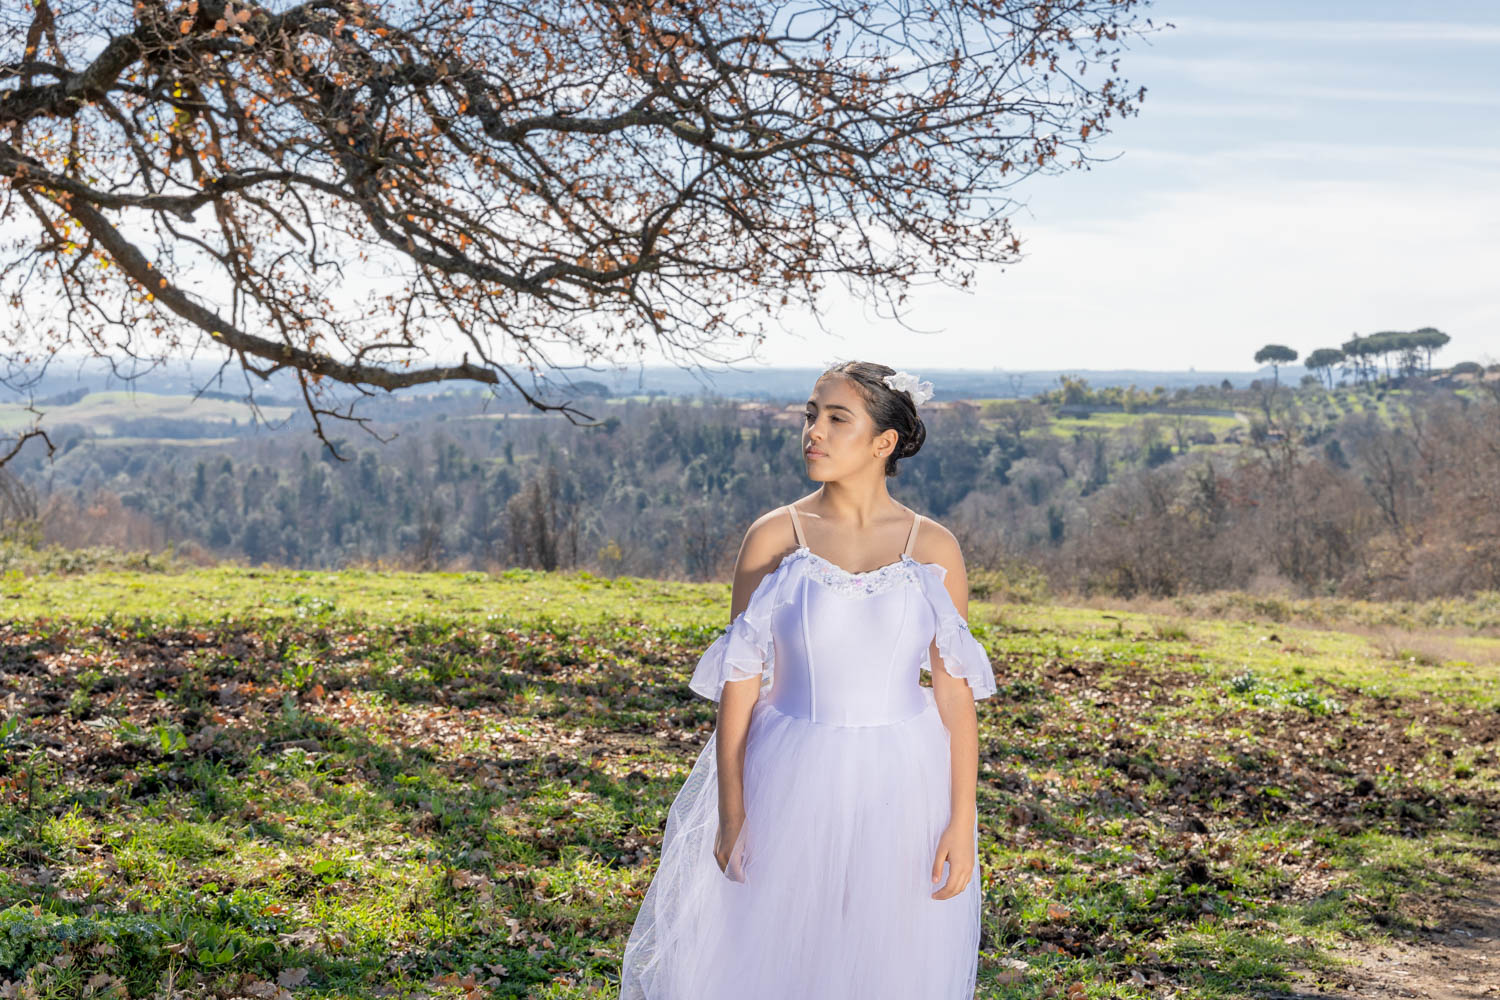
x: 833, y: 897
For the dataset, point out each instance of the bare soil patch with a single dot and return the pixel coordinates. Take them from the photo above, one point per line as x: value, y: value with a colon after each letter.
x: 1454, y: 956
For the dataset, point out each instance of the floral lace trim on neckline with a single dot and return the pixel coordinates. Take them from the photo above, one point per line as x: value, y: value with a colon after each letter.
x: 847, y: 582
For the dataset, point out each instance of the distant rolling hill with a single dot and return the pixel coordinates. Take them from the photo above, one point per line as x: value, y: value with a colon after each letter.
x: 138, y: 414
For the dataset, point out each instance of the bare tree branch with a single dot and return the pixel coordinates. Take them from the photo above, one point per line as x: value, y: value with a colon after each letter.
x: 357, y: 192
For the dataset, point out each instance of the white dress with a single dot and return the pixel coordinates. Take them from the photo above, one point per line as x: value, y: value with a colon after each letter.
x: 846, y: 791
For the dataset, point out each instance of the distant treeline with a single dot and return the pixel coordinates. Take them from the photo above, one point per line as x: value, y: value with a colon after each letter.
x: 1369, y: 493
x: 1396, y: 499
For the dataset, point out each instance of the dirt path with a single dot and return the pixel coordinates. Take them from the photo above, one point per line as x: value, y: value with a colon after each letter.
x: 1459, y: 959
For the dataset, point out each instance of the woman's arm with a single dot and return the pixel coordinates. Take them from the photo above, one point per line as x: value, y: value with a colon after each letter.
x: 955, y: 703
x: 759, y: 554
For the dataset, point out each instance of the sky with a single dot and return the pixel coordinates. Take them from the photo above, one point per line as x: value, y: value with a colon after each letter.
x: 1298, y: 173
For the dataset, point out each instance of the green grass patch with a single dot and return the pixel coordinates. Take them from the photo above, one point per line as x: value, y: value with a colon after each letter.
x: 234, y: 781
x: 100, y: 411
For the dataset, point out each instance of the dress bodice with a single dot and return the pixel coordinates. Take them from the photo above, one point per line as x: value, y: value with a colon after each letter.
x: 849, y: 648
x: 844, y: 648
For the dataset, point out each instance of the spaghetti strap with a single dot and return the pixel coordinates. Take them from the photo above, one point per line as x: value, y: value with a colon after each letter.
x: 912, y: 535
x: 796, y: 526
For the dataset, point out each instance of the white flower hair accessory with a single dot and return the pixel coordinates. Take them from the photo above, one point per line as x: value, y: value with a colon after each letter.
x: 920, y: 390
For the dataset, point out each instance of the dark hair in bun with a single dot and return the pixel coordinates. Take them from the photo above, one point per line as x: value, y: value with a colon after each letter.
x: 890, y: 409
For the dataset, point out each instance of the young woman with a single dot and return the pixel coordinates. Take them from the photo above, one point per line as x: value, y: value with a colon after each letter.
x: 825, y: 844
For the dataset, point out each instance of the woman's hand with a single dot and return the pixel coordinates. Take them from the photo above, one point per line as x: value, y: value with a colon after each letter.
x: 956, y: 846
x: 724, y: 843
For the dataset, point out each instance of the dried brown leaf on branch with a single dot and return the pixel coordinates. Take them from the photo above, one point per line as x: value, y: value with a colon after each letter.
x: 376, y: 195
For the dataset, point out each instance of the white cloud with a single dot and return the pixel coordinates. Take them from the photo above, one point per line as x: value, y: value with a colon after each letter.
x: 1390, y: 160
x: 1169, y: 108
x: 1323, y: 32
x: 1223, y: 78
x: 1377, y: 95
x: 1203, y: 278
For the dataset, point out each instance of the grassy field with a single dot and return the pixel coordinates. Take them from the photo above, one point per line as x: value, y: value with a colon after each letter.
x: 235, y: 782
x: 100, y: 411
x: 1119, y: 422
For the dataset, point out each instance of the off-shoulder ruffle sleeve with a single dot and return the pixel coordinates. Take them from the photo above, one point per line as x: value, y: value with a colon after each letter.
x: 962, y: 654
x: 745, y: 649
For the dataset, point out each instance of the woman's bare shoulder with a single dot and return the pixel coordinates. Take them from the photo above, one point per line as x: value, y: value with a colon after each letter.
x: 936, y: 544
x: 768, y: 538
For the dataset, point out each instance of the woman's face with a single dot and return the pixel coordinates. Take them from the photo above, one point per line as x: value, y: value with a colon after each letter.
x: 838, y: 434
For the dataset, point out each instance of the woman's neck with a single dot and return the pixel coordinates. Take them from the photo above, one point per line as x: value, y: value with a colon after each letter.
x: 855, y: 505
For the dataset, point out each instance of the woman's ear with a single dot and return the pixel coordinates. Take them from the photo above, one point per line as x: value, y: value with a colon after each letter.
x: 885, y: 442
